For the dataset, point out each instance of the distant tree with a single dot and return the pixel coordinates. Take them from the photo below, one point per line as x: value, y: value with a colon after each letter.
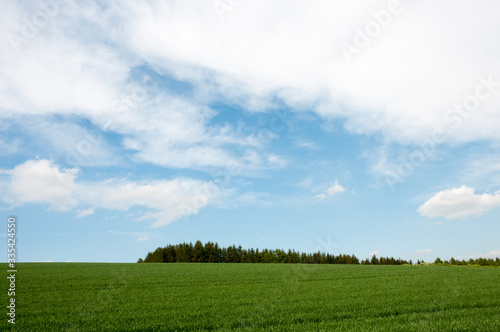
x: 243, y: 254
x: 210, y: 252
x: 316, y: 258
x: 292, y: 257
x: 219, y: 253
x: 198, y: 252
x: 154, y: 257
x: 303, y: 258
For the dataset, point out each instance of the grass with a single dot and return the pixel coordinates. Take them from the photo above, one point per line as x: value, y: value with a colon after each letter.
x: 253, y: 297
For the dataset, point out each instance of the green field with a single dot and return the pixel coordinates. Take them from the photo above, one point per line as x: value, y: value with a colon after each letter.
x: 254, y: 297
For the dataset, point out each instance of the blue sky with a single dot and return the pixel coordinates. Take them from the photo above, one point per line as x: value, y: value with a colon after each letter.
x: 346, y: 128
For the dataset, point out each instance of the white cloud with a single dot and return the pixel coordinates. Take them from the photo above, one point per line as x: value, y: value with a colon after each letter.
x: 84, y: 213
x: 306, y: 145
x: 40, y: 181
x: 248, y: 59
x: 493, y: 254
x: 76, y: 145
x: 373, y: 253
x: 79, y: 64
x: 139, y: 237
x: 166, y: 200
x: 56, y: 73
x: 422, y: 252
x: 306, y: 182
x: 11, y: 147
x: 483, y: 169
x: 335, y: 188
x: 69, y: 260
x: 458, y: 203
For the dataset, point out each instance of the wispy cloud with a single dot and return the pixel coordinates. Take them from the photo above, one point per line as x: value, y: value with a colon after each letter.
x: 11, y: 147
x: 56, y: 72
x: 422, y: 252
x: 306, y: 145
x: 138, y: 236
x: 142, y: 238
x: 40, y: 181
x: 84, y: 213
x: 335, y: 188
x: 321, y: 79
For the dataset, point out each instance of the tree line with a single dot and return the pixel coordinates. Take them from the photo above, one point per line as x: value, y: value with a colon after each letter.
x: 211, y: 253
x: 478, y: 261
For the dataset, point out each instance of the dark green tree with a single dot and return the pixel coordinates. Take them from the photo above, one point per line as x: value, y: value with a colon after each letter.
x: 198, y: 253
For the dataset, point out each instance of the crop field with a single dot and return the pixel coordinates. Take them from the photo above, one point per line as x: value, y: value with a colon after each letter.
x: 254, y: 297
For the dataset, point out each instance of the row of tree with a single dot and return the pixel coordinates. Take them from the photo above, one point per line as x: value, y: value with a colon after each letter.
x: 478, y: 261
x: 211, y: 253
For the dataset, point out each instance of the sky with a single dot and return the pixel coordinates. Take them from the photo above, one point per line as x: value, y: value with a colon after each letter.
x: 367, y: 127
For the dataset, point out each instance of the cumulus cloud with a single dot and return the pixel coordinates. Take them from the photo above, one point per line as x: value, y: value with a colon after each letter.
x: 422, y: 252
x: 458, y: 203
x: 335, y: 188
x: 40, y: 181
